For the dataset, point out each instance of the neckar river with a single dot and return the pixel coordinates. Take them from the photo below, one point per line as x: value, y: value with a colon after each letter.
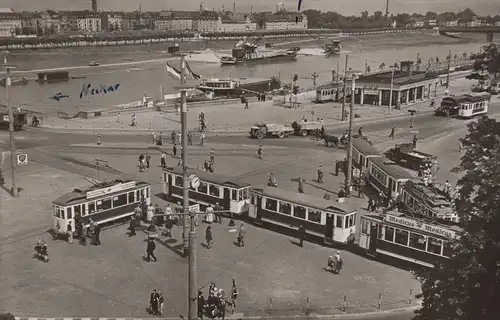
x: 133, y: 81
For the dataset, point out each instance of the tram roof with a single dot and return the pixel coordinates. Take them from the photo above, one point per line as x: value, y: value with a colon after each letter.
x: 307, y: 200
x: 365, y: 147
x: 211, y: 177
x: 331, y: 85
x: 391, y: 168
x: 428, y: 220
x: 471, y: 98
x: 80, y: 195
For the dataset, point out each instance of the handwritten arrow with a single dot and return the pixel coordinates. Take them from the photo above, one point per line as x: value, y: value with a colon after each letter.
x: 59, y: 96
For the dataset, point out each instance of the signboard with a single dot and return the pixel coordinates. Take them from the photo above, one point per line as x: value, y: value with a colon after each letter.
x: 22, y: 159
x: 371, y: 92
x: 112, y: 189
x: 416, y: 224
x: 6, y: 118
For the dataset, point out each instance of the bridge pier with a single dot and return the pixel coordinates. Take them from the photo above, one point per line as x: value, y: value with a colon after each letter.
x: 489, y: 37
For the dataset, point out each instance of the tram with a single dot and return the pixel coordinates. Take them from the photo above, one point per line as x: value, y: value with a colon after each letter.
x: 231, y: 194
x: 323, y: 219
x: 103, y: 203
x: 386, y: 176
x: 423, y: 242
x: 330, y: 92
x: 464, y: 106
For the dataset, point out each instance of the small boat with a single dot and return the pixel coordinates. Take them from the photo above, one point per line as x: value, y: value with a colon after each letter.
x: 14, y: 81
x: 93, y: 64
x: 333, y: 48
x: 227, y: 60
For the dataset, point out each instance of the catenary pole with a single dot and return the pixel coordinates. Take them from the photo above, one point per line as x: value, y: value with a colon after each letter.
x: 193, y: 271
x: 184, y: 155
x: 344, y: 93
x: 13, y: 160
x: 391, y: 92
x: 349, y: 146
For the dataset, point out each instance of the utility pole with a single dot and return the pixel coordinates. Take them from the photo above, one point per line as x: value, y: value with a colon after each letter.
x: 336, y: 80
x: 13, y: 160
x: 193, y: 271
x: 184, y: 133
x: 165, y: 84
x: 345, y: 89
x: 392, y: 82
x: 314, y: 78
x: 349, y: 147
x: 448, y: 72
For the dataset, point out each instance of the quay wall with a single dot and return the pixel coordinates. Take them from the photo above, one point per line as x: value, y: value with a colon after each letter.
x: 68, y: 42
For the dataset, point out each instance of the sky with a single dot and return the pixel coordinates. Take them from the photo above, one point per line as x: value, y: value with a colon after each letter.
x: 481, y: 7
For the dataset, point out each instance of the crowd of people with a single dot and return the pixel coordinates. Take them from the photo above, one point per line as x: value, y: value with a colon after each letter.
x: 217, y: 303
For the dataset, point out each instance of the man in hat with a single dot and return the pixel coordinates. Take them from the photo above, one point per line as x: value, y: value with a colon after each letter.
x: 201, y: 304
x: 320, y: 174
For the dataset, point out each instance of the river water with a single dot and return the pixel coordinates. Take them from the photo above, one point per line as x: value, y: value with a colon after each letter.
x: 147, y: 77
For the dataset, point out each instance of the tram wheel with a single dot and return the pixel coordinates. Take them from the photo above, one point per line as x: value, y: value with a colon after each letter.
x: 281, y: 135
x: 303, y: 133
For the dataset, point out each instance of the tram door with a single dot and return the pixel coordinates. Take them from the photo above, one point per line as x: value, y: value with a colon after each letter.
x: 329, y: 227
x: 166, y: 183
x: 391, y: 186
x: 372, y: 247
x: 254, y: 211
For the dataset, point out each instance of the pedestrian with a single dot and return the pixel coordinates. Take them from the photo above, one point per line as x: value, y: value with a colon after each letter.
x: 190, y: 138
x: 301, y: 185
x: 360, y: 131
x: 132, y: 226
x: 163, y: 160
x: 393, y: 132
x: 209, y: 237
x: 222, y: 305
x: 209, y: 217
x: 174, y: 149
x: 160, y: 139
x: 212, y: 156
x: 161, y: 301
x: 201, y: 304
x: 153, y: 302
x: 217, y: 214
x: 415, y: 139
x: 234, y: 296
x: 148, y: 160
x: 97, y: 231
x: 302, y: 234
x: 241, y: 236
x: 173, y: 137
x: 260, y: 152
x: 338, y: 263
x: 118, y: 118
x: 151, y: 246
x: 134, y: 121
x: 141, y: 162
x: 202, y: 138
x: 169, y: 224
x: 320, y: 174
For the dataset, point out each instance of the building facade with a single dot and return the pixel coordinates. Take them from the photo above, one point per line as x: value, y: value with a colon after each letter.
x: 237, y: 23
x: 408, y: 86
x: 113, y: 21
x: 285, y: 21
x: 10, y: 23
x: 89, y: 22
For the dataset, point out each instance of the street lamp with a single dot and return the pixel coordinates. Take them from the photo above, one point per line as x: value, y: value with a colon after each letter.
x: 354, y: 75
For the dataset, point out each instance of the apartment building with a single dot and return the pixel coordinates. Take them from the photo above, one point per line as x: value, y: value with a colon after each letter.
x: 10, y: 23
x: 207, y: 21
x: 112, y: 21
x: 284, y: 21
x: 88, y: 21
x: 237, y: 23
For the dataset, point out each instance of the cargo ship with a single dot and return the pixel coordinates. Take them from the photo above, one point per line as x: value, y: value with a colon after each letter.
x: 235, y: 87
x: 245, y: 52
x: 53, y: 76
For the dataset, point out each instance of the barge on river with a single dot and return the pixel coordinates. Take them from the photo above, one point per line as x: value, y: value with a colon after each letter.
x: 53, y: 76
x: 248, y: 53
x: 236, y: 87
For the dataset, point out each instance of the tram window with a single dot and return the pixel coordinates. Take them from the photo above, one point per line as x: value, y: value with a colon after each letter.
x: 91, y: 207
x: 119, y: 200
x: 203, y: 188
x: 364, y: 227
x: 271, y: 205
x: 401, y: 237
x: 57, y: 212
x: 434, y: 245
x: 417, y: 241
x: 299, y: 212
x: 131, y: 198
x: 234, y: 195
x: 314, y: 215
x: 137, y: 195
x: 78, y: 210
x: 389, y: 234
x: 147, y: 192
x: 340, y: 221
x: 179, y: 182
x: 243, y: 194
x: 447, y: 249
x: 104, y: 204
x: 285, y: 208
x: 214, y: 191
x: 69, y: 213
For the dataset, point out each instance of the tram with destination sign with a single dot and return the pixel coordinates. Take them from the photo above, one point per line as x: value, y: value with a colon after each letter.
x: 208, y: 189
x: 105, y: 202
x: 394, y: 235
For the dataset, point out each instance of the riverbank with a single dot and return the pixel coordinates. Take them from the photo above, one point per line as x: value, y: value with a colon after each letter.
x: 122, y: 40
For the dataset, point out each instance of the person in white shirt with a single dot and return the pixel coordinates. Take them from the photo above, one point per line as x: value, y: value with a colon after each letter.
x: 210, y: 214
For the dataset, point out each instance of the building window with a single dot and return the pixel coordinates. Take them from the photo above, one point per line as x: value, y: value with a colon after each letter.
x: 434, y: 245
x: 214, y: 191
x: 299, y: 212
x: 57, y: 212
x: 119, y: 200
x: 389, y: 234
x: 203, y: 188
x: 401, y: 237
x: 314, y: 215
x: 417, y: 241
x: 271, y: 205
x: 285, y: 208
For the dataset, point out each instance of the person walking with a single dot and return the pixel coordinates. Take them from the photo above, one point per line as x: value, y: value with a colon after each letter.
x: 393, y: 132
x: 163, y: 159
x: 415, y: 139
x: 201, y: 304
x: 153, y: 302
x: 97, y: 232
x: 141, y: 162
x: 302, y: 234
x: 338, y: 263
x: 320, y: 174
x: 190, y: 138
x: 151, y: 246
x: 174, y: 149
x: 202, y: 138
x: 161, y: 302
x: 148, y: 160
x: 241, y: 236
x: 234, y: 296
x: 212, y: 156
x: 360, y: 131
x: 132, y: 227
x: 301, y: 185
x: 209, y: 237
x: 260, y: 152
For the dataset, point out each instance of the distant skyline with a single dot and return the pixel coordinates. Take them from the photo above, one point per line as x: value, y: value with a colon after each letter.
x: 346, y: 7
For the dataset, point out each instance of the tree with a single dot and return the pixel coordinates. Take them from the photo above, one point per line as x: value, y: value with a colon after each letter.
x: 488, y: 59
x: 467, y: 286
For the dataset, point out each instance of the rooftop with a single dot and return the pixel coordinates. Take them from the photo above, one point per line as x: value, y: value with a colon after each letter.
x: 211, y: 177
x: 434, y: 197
x: 365, y: 147
x: 438, y: 223
x: 400, y: 77
x: 391, y: 168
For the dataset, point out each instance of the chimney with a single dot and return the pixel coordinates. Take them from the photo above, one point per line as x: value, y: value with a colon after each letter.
x: 278, y: 7
x: 407, y: 67
x: 223, y: 10
x: 201, y: 6
x: 234, y: 7
x: 251, y: 9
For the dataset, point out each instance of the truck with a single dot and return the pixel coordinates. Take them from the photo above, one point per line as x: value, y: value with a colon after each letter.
x: 404, y: 155
x: 262, y: 130
x: 304, y: 128
x: 20, y: 118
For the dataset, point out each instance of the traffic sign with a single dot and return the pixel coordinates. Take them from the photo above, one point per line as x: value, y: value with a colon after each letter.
x: 195, y: 181
x: 22, y: 159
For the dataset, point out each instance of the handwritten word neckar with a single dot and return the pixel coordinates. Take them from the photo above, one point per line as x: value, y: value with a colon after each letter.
x: 87, y: 89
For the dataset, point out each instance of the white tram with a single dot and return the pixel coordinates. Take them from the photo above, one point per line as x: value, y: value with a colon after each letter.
x: 330, y: 92
x: 465, y: 106
x: 324, y: 220
x: 104, y: 203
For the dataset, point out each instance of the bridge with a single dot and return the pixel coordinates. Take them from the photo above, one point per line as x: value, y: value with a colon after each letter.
x: 489, y: 31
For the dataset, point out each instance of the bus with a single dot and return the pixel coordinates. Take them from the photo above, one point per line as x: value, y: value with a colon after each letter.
x: 324, y: 220
x: 105, y: 202
x: 464, y: 106
x: 231, y: 194
x: 395, y: 235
